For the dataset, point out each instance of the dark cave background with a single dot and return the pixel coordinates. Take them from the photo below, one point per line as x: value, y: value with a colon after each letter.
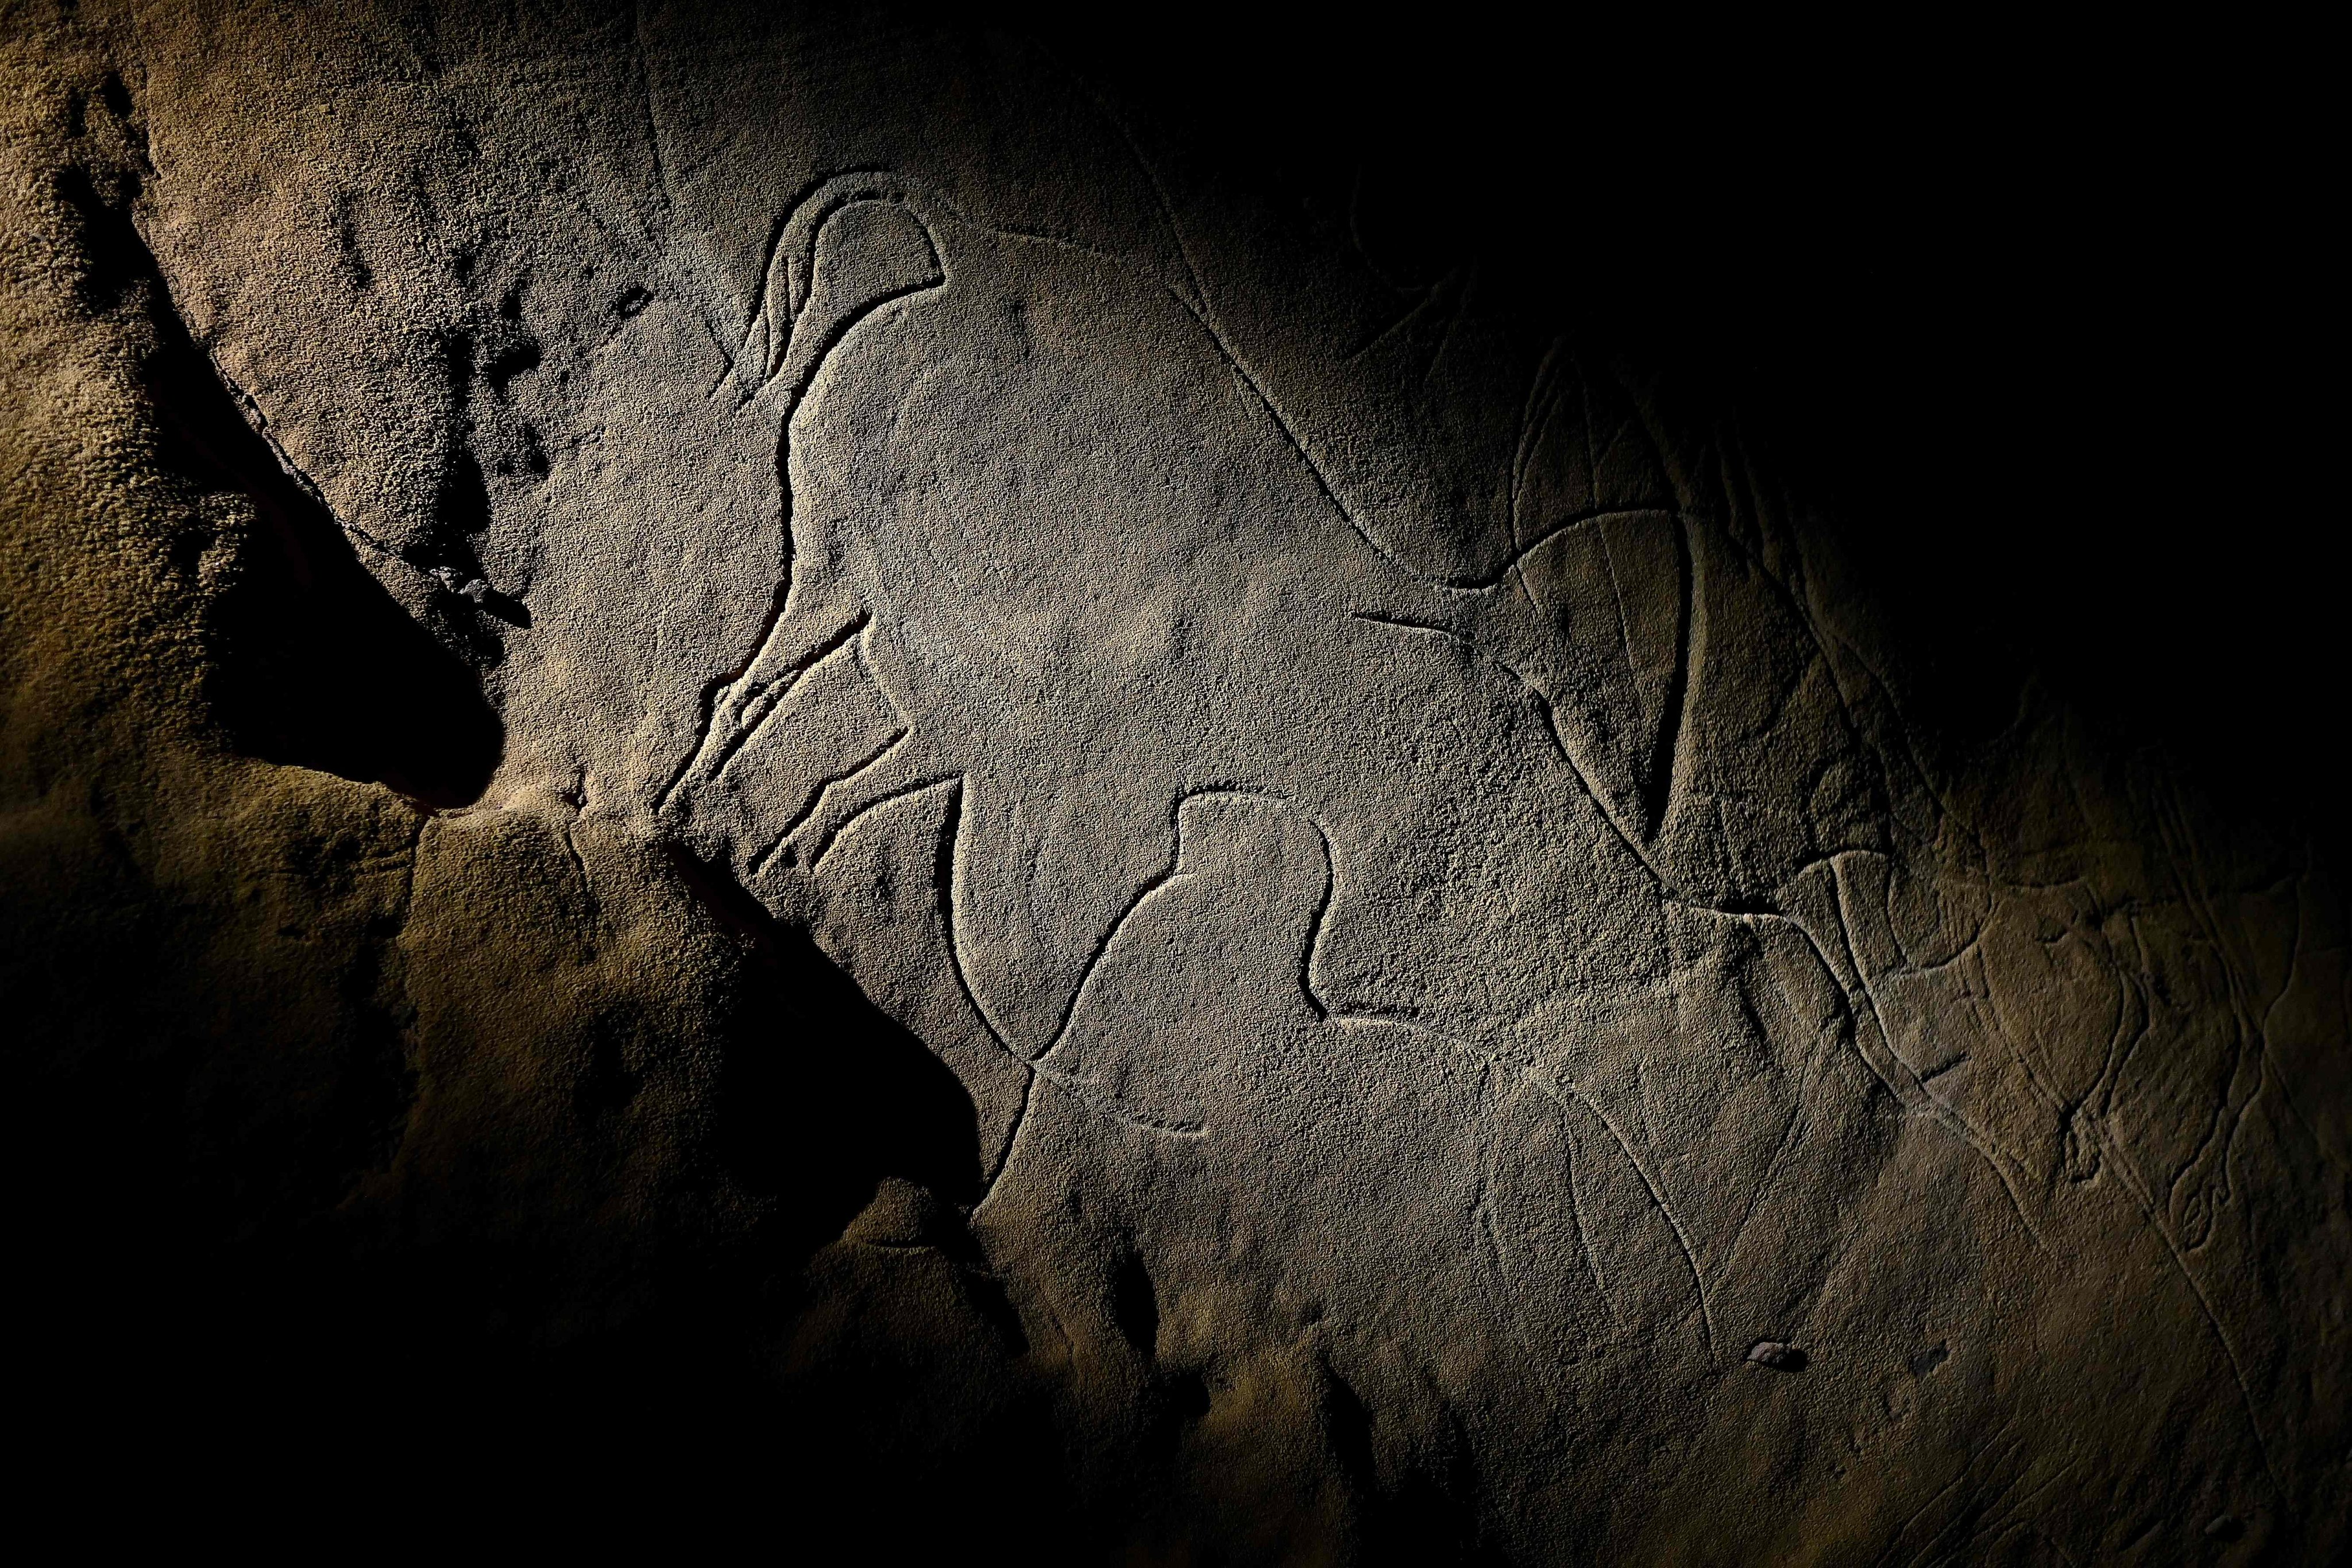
x: 2039, y: 311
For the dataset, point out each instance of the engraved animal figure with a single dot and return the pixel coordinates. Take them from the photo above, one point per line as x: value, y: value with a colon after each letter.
x: 986, y: 500
x: 1059, y: 567
x: 985, y: 496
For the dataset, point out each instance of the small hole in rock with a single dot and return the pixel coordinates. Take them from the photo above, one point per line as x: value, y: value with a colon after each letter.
x: 1780, y: 1355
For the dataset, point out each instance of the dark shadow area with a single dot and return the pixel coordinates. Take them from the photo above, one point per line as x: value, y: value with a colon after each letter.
x: 316, y: 665
x: 2034, y: 322
x: 343, y: 1357
x: 1135, y: 1305
x: 823, y: 1094
x: 1426, y: 1515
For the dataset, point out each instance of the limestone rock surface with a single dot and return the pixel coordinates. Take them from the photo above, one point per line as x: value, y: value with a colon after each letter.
x: 1014, y: 833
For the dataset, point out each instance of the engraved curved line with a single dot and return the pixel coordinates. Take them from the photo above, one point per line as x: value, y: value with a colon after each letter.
x: 1487, y: 583
x: 942, y: 884
x: 1151, y: 886
x: 1323, y: 483
x: 870, y: 807
x: 1453, y: 319
x: 880, y: 185
x: 1430, y: 297
x: 1484, y: 1218
x: 1482, y: 1215
x: 725, y: 692
x: 2111, y: 1150
x: 768, y: 340
x: 816, y: 799
x: 2175, y: 825
x: 783, y: 224
x: 646, y: 103
x: 2066, y: 1111
x: 1534, y: 414
x: 814, y: 203
x: 945, y: 880
x: 1921, y: 1097
x: 1204, y: 310
x: 1617, y: 604
x: 719, y: 687
x: 1800, y: 610
x: 1151, y: 177
x: 2285, y: 1088
x: 1992, y: 1446
x: 1084, y: 1090
x: 1667, y: 748
x: 1551, y: 723
x: 1543, y: 397
x: 1556, y: 1090
x: 1490, y: 1059
x: 1584, y: 1233
x: 2132, y: 1022
x: 755, y: 706
x: 792, y: 240
x: 2174, y: 829
x: 1467, y: 583
x: 1779, y: 1152
x: 1003, y: 1156
x: 849, y: 324
x: 1917, y: 1100
x: 1560, y: 1094
x: 1319, y: 924
x: 580, y: 864
x: 1944, y: 813
x: 1088, y: 1093
x: 1485, y: 1214
x: 2041, y: 1076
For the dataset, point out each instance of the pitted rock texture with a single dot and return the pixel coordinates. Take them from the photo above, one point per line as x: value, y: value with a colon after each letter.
x: 1113, y: 855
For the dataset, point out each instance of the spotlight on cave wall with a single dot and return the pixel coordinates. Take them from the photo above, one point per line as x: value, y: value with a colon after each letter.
x: 1248, y: 797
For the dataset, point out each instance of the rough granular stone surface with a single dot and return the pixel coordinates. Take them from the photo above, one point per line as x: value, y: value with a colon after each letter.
x: 769, y: 751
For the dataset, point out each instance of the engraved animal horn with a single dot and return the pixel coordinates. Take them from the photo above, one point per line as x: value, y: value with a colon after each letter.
x: 854, y: 245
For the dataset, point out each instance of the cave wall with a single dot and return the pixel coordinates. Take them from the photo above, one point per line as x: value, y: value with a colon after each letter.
x: 782, y: 756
